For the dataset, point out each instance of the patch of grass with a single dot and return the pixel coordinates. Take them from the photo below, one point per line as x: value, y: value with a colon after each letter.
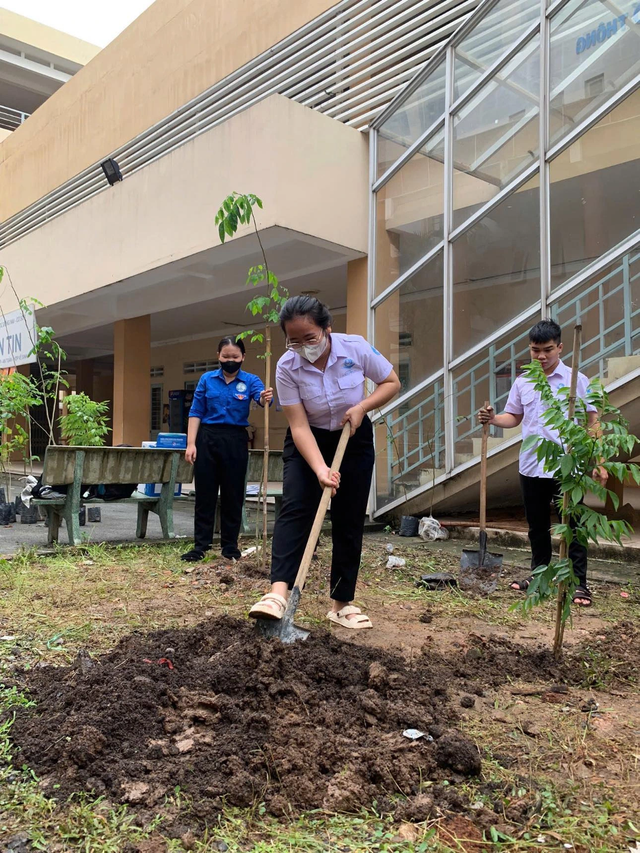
x: 314, y: 832
x: 89, y: 597
x: 94, y: 595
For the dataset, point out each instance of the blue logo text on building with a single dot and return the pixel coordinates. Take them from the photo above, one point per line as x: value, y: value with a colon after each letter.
x: 606, y: 30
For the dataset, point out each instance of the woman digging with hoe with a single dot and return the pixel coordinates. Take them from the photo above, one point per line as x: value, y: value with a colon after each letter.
x: 320, y: 384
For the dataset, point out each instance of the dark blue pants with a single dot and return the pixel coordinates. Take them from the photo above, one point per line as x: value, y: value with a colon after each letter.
x: 301, y: 497
x: 538, y: 494
x: 221, y: 464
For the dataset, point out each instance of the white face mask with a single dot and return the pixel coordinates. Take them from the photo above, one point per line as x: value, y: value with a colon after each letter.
x: 312, y: 352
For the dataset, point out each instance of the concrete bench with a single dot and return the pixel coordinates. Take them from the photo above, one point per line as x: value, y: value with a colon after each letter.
x: 78, y: 467
x: 254, y: 475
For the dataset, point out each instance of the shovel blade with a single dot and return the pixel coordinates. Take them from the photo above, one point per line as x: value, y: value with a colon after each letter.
x: 285, y: 633
x: 284, y: 629
x: 476, y: 576
x: 471, y: 560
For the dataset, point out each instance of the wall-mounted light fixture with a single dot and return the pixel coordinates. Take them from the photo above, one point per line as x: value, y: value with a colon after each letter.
x: 111, y: 171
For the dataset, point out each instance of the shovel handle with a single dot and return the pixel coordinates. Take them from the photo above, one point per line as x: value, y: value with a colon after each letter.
x: 322, y: 510
x: 483, y: 475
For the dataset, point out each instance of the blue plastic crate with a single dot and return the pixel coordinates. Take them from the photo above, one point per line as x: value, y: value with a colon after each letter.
x: 172, y: 440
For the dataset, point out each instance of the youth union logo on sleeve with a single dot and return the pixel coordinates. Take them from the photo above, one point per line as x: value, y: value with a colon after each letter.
x: 241, y: 387
x: 377, y: 352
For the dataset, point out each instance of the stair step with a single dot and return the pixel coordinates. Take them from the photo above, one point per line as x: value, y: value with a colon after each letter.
x: 495, y: 442
x: 619, y: 367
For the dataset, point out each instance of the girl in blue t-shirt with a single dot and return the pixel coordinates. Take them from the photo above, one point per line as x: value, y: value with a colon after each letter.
x: 218, y: 447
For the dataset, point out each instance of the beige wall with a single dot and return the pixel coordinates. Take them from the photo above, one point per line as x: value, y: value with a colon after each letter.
x: 357, y: 297
x: 46, y: 38
x: 173, y: 357
x: 297, y: 160
x: 174, y: 51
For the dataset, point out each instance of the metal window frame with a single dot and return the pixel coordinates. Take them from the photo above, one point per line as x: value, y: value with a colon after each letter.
x: 409, y: 153
x: 371, y: 269
x: 435, y: 60
x: 593, y: 119
x: 406, y: 275
x: 498, y: 65
x: 447, y: 301
x: 495, y: 336
x: 421, y: 75
x: 543, y: 144
x: 488, y: 206
x: 556, y: 7
x: 606, y: 259
x: 547, y: 298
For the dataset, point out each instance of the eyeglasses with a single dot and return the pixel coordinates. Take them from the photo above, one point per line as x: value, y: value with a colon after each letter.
x: 310, y: 342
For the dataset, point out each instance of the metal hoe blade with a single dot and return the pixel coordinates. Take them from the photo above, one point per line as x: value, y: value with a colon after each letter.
x: 284, y: 629
x: 476, y: 576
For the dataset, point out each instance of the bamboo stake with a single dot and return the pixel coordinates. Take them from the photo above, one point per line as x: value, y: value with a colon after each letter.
x: 562, y: 587
x: 265, y: 461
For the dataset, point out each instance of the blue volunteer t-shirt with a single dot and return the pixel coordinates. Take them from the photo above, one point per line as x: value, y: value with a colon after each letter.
x: 218, y: 402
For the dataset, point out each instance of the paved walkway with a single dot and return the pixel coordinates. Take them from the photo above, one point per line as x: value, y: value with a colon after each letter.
x: 118, y: 525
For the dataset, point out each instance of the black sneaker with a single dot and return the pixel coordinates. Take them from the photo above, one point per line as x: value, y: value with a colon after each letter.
x: 193, y: 556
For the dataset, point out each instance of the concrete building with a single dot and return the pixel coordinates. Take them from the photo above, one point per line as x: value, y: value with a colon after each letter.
x: 440, y: 173
x: 35, y: 61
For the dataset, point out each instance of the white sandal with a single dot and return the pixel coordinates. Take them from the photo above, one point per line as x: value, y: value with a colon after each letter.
x: 270, y: 606
x: 358, y: 623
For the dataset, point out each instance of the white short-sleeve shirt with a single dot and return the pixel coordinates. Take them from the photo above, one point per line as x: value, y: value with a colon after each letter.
x: 525, y: 400
x: 326, y: 395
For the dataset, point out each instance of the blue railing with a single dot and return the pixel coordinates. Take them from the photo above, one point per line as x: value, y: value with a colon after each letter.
x: 612, y: 294
x: 416, y: 435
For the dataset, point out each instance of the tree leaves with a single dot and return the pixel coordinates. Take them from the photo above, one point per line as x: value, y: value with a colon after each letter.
x: 238, y: 209
x: 85, y: 424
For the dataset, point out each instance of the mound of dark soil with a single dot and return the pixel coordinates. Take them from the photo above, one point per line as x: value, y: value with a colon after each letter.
x: 611, y: 658
x: 230, y: 717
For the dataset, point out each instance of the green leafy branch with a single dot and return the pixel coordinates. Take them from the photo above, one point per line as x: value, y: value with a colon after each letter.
x: 238, y: 209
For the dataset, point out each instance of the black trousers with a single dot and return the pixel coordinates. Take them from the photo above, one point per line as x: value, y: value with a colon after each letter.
x: 301, y: 496
x: 538, y: 494
x: 221, y: 463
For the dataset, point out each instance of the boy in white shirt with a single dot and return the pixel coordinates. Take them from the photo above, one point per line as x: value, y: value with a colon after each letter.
x: 539, y: 488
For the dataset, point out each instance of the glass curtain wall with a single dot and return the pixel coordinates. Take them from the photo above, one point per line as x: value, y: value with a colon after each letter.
x: 505, y: 188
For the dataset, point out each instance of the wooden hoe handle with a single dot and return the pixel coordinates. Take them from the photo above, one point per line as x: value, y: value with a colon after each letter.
x: 322, y: 510
x: 483, y: 474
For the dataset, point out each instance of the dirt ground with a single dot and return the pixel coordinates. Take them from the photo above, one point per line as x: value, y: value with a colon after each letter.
x: 149, y: 689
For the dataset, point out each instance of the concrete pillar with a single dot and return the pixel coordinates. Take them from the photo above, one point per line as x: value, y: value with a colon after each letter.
x: 131, y: 386
x: 357, y: 297
x: 84, y: 377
